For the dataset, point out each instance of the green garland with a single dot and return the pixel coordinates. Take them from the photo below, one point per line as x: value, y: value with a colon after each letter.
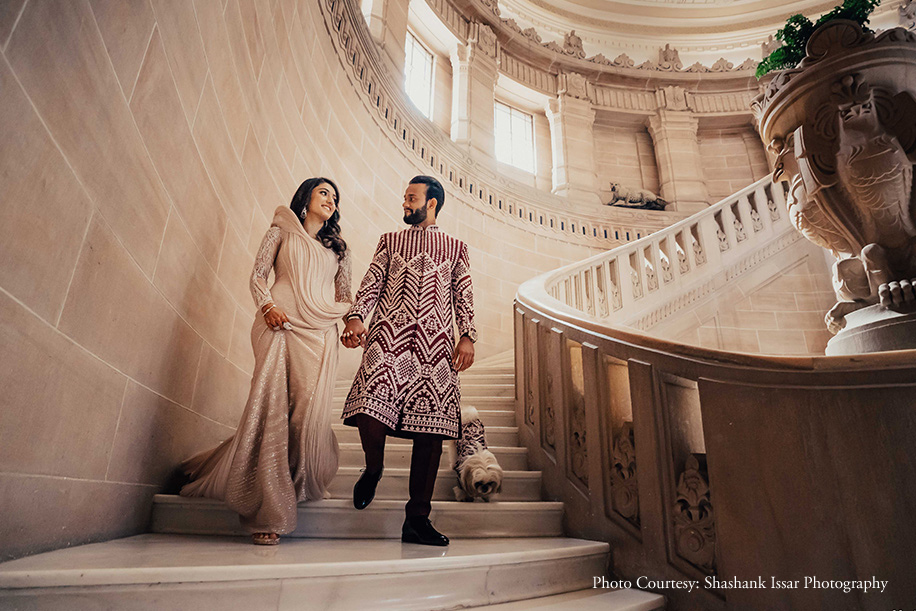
x: 799, y: 28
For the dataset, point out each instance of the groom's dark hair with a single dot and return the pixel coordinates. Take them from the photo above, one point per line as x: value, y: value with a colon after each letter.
x: 433, y: 189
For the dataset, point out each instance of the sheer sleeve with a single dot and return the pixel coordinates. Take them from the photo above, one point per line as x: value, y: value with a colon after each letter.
x: 342, y: 290
x: 263, y: 263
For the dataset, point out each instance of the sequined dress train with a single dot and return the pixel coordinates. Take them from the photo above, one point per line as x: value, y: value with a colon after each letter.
x: 284, y: 450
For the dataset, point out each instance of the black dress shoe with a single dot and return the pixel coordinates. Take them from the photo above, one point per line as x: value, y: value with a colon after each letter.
x: 419, y: 530
x: 364, y: 490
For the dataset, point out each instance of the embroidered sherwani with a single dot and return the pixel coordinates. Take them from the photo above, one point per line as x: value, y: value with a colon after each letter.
x: 419, y: 283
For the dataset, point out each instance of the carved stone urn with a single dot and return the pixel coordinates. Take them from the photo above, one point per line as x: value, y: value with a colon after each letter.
x: 842, y: 126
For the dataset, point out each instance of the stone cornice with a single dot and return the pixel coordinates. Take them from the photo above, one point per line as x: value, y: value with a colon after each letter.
x: 475, y: 184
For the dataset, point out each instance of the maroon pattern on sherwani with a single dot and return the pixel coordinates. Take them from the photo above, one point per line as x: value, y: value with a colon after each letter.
x: 406, y: 380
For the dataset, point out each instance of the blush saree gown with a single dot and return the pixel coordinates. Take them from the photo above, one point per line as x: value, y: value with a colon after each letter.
x: 284, y: 450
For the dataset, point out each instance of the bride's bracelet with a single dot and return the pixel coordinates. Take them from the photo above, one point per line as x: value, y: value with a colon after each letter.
x: 272, y: 306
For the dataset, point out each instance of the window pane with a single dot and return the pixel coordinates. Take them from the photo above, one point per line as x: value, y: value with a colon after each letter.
x: 514, y: 131
x: 418, y: 75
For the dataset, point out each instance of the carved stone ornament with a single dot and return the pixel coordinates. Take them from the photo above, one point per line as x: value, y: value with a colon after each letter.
x: 694, y: 520
x: 578, y: 441
x: 484, y: 37
x: 624, y: 482
x: 572, y: 45
x: 574, y: 85
x: 907, y: 13
x: 549, y: 419
x: 770, y: 45
x: 843, y: 130
x: 492, y: 5
x: 675, y: 98
x: 669, y: 60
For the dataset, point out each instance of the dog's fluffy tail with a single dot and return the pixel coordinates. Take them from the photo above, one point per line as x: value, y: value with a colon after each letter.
x: 469, y: 413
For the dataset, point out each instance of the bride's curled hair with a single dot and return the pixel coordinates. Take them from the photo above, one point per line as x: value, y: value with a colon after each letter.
x: 329, y: 234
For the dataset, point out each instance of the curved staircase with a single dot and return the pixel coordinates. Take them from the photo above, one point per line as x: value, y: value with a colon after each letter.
x: 511, y: 549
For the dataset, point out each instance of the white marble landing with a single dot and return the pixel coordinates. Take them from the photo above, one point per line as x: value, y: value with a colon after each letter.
x: 587, y: 600
x: 336, y: 518
x: 226, y: 573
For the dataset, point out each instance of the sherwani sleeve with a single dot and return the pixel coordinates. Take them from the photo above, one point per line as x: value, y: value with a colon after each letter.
x: 263, y: 263
x: 463, y: 294
x: 373, y: 283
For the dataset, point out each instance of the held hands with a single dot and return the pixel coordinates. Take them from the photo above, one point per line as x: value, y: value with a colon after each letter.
x: 464, y: 354
x: 276, y: 318
x: 354, y: 334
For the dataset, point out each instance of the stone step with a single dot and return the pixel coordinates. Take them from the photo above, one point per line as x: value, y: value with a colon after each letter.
x: 496, y: 435
x: 588, y: 600
x: 337, y: 519
x: 157, y: 571
x: 517, y: 485
x: 398, y: 455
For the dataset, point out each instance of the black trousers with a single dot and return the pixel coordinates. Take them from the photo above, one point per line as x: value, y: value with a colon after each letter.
x: 424, y: 462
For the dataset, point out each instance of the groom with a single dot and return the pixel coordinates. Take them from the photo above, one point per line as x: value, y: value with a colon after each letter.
x: 407, y: 383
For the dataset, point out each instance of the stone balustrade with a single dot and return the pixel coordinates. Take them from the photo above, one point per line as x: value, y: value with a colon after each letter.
x: 700, y: 464
x: 643, y: 282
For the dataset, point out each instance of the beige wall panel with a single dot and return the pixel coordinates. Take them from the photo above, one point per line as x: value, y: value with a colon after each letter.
x: 42, y: 513
x: 235, y: 266
x: 221, y: 389
x: 115, y: 312
x: 155, y: 435
x: 175, y: 154
x: 185, y: 50
x: 278, y: 168
x: 126, y: 26
x: 248, y: 14
x: 222, y: 72
x: 9, y: 12
x: 45, y: 212
x: 223, y: 167
x: 240, y: 351
x: 266, y: 192
x: 279, y: 37
x: 59, y: 405
x: 192, y: 287
x: 60, y: 59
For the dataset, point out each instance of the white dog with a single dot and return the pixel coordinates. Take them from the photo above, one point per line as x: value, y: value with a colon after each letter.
x: 479, y: 475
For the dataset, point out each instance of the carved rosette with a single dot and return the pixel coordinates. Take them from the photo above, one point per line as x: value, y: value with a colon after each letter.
x: 842, y: 128
x: 624, y: 482
x: 694, y: 520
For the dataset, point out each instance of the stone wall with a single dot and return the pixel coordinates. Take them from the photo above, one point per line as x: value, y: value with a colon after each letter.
x: 146, y: 145
x: 624, y: 154
x: 732, y: 159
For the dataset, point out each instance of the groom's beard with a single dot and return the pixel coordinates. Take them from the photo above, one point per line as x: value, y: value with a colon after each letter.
x: 416, y: 217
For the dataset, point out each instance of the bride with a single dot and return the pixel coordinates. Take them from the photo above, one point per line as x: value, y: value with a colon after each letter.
x: 284, y: 450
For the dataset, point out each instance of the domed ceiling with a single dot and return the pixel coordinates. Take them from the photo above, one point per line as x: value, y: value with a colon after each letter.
x: 698, y: 29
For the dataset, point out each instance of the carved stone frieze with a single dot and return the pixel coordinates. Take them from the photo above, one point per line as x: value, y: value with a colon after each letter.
x: 548, y: 422
x: 572, y: 45
x: 623, y: 475
x: 484, y: 38
x: 848, y: 159
x: 673, y: 98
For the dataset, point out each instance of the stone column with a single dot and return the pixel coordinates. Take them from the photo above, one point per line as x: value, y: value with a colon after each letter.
x: 387, y: 21
x: 474, y: 75
x: 674, y: 132
x: 572, y: 119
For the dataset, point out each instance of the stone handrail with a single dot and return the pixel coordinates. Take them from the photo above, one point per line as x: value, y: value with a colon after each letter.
x: 697, y: 463
x: 476, y: 184
x: 642, y: 282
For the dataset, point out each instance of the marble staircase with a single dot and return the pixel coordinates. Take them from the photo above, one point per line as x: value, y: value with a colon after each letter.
x: 511, y: 549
